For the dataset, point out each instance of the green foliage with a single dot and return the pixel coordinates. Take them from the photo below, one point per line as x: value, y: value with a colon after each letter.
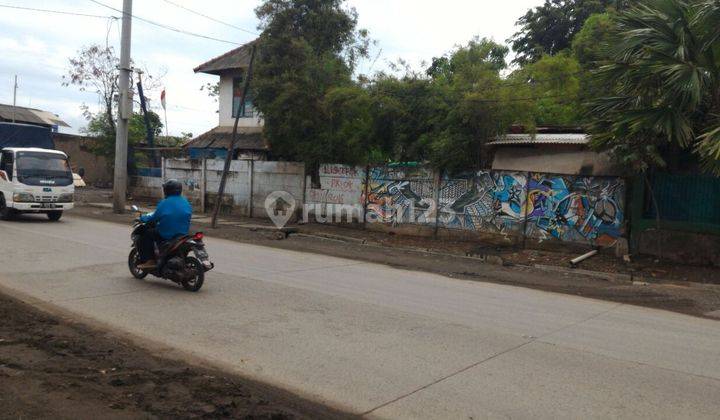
x: 212, y: 89
x: 308, y: 48
x: 663, y: 85
x: 555, y: 81
x: 591, y: 46
x: 550, y: 28
x: 99, y: 128
x: 473, y: 107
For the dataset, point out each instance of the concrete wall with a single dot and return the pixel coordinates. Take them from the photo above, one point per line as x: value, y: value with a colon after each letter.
x: 97, y: 170
x: 508, y: 205
x: 248, y: 183
x: 146, y: 187
x: 340, y: 185
x: 269, y: 177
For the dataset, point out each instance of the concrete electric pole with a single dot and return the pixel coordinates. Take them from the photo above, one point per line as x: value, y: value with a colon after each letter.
x: 124, y: 113
x: 14, y: 98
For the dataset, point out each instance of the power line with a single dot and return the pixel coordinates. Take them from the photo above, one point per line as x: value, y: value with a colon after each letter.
x: 170, y: 28
x: 210, y: 18
x: 59, y: 12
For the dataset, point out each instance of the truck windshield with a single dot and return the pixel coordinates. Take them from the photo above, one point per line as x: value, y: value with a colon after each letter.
x: 38, y: 168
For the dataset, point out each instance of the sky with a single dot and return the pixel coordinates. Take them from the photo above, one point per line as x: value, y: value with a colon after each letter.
x: 36, y: 45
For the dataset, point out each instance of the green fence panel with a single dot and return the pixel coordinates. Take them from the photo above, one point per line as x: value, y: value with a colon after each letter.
x: 685, y: 198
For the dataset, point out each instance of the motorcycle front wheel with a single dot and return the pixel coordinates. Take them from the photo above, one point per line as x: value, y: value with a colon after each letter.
x: 195, y: 283
x: 133, y: 261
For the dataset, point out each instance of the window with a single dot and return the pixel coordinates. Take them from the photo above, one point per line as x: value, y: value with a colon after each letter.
x: 248, y: 112
x: 39, y: 168
x: 6, y: 164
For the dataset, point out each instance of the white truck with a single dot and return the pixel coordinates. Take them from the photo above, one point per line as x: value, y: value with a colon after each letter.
x: 33, y: 179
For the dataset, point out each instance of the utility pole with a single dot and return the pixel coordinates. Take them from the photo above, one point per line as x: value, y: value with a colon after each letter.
x: 14, y: 98
x: 124, y: 113
x: 231, y: 148
x: 150, y: 135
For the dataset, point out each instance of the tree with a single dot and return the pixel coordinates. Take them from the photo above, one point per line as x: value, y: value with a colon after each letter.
x: 663, y: 85
x: 307, y: 48
x: 99, y: 128
x: 95, y: 68
x: 591, y: 46
x: 473, y: 107
x: 553, y: 84
x: 550, y: 28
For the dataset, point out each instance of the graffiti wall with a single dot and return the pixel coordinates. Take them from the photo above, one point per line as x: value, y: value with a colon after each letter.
x: 401, y: 194
x: 339, y: 184
x: 575, y: 209
x: 484, y: 200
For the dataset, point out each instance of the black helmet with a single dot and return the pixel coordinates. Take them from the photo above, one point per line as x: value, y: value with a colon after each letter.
x: 172, y: 187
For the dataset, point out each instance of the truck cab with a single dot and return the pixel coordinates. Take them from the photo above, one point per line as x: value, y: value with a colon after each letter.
x: 34, y: 180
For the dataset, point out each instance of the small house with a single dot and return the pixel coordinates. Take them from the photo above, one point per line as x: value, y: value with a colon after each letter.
x: 232, y: 69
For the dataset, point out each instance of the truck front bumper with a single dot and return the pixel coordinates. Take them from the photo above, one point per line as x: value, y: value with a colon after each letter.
x: 40, y: 207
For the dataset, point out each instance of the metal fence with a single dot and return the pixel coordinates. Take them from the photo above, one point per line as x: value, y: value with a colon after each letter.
x: 690, y: 199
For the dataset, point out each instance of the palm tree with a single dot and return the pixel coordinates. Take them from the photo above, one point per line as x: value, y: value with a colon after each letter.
x: 663, y: 83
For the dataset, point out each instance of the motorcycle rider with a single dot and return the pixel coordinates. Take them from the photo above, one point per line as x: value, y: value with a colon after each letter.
x: 171, y: 218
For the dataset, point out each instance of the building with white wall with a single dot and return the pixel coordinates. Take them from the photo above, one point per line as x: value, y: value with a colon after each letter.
x: 232, y: 68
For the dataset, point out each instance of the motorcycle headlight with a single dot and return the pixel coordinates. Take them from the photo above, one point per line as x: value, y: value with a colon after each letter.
x: 23, y: 197
x: 66, y: 198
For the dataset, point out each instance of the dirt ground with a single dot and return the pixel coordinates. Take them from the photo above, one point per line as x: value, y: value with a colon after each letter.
x: 53, y: 368
x: 695, y: 291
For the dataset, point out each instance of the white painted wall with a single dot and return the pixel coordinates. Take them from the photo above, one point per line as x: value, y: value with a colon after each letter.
x: 225, y: 101
x: 266, y: 178
x: 269, y: 177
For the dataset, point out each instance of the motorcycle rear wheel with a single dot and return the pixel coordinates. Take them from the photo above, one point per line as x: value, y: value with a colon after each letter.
x: 133, y: 265
x: 194, y: 284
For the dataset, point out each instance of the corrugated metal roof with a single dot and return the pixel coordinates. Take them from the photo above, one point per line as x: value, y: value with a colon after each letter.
x: 233, y: 59
x: 221, y: 137
x: 29, y: 116
x: 543, y: 138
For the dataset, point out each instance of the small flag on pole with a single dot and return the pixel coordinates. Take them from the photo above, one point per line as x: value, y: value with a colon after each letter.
x: 162, y: 98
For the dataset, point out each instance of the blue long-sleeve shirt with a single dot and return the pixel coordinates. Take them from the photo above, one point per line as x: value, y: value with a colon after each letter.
x: 172, y: 217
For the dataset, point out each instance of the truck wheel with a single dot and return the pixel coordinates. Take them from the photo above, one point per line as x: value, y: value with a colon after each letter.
x: 54, y: 216
x: 6, y: 213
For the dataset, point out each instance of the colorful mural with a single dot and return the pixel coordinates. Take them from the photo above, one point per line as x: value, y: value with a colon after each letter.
x: 400, y: 194
x: 488, y: 201
x: 541, y: 206
x: 575, y: 209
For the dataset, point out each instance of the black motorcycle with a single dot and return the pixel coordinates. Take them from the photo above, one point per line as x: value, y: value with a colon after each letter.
x: 173, y: 257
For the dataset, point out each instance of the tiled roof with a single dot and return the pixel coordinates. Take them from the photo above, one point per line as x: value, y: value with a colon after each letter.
x: 233, y: 59
x: 221, y: 137
x: 510, y: 139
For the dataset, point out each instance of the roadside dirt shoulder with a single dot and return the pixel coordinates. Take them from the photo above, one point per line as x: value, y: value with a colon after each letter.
x: 52, y: 367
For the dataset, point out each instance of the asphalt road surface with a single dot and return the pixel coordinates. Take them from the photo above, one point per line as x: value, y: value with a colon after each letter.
x: 379, y: 341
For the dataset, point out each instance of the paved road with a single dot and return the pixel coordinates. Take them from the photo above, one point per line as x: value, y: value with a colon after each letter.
x: 384, y: 342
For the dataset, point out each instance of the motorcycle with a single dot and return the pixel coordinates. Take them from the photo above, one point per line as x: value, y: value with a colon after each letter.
x: 174, y: 260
